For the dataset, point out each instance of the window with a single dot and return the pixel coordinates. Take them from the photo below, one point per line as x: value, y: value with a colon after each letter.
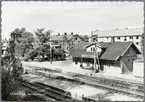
x: 131, y: 37
x: 118, y: 37
x: 128, y: 59
x: 136, y: 37
x: 76, y: 38
x: 124, y: 39
x: 91, y: 48
x: 136, y: 43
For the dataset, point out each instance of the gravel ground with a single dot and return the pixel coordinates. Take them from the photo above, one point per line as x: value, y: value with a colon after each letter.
x: 69, y: 66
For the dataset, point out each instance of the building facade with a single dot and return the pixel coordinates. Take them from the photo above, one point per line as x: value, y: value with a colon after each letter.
x: 66, y: 41
x: 118, y: 55
x: 121, y: 35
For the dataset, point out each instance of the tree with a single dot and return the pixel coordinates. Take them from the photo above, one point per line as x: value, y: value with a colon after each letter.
x: 26, y: 43
x: 31, y: 54
x: 42, y: 35
x: 17, y: 33
x: 43, y: 39
x: 86, y: 38
x: 11, y: 67
x: 8, y: 84
x: 59, y: 54
x: 44, y: 51
x: 41, y: 50
x: 23, y: 41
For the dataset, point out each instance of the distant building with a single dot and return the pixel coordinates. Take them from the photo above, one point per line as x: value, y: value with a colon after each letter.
x: 121, y: 35
x: 117, y: 54
x: 66, y: 41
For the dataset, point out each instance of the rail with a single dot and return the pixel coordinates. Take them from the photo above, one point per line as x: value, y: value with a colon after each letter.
x: 45, y: 90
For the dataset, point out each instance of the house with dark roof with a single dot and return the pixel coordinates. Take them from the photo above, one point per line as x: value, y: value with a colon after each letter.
x: 66, y: 41
x: 117, y: 54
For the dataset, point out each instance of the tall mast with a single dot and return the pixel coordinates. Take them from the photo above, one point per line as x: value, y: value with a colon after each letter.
x: 96, y: 55
x: 50, y: 51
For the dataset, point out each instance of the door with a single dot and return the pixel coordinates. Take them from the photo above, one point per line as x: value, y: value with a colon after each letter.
x: 131, y: 65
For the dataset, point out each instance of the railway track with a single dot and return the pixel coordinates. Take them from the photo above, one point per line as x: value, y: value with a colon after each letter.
x: 33, y: 95
x: 46, y: 91
x: 126, y: 87
x: 132, y: 86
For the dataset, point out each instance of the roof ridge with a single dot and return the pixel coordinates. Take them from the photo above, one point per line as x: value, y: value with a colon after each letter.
x: 118, y: 29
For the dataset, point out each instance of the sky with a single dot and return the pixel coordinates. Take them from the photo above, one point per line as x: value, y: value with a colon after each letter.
x: 78, y: 17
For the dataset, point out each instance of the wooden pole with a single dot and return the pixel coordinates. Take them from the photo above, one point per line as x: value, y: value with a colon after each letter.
x: 95, y: 58
x: 50, y: 53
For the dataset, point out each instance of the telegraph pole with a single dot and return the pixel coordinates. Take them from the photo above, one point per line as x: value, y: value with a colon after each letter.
x: 50, y: 51
x: 94, y: 42
x: 96, y: 54
x: 50, y: 54
x: 95, y: 57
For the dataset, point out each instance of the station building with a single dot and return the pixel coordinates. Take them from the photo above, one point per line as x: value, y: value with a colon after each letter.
x: 118, y: 55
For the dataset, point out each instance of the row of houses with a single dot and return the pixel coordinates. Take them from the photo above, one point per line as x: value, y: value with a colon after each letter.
x: 116, y: 48
x: 68, y: 41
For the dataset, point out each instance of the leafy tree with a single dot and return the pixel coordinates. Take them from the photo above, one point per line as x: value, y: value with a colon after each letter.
x: 9, y: 85
x: 59, y: 54
x: 43, y: 39
x: 26, y: 42
x: 44, y: 51
x: 17, y: 33
x: 23, y: 41
x: 31, y: 55
x: 11, y: 67
x: 42, y: 35
x: 86, y: 38
x: 43, y: 48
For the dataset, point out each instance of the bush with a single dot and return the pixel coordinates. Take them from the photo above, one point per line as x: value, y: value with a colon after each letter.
x: 10, y: 72
x: 31, y: 55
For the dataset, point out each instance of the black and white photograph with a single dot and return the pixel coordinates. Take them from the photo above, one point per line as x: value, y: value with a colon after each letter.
x: 72, y: 51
